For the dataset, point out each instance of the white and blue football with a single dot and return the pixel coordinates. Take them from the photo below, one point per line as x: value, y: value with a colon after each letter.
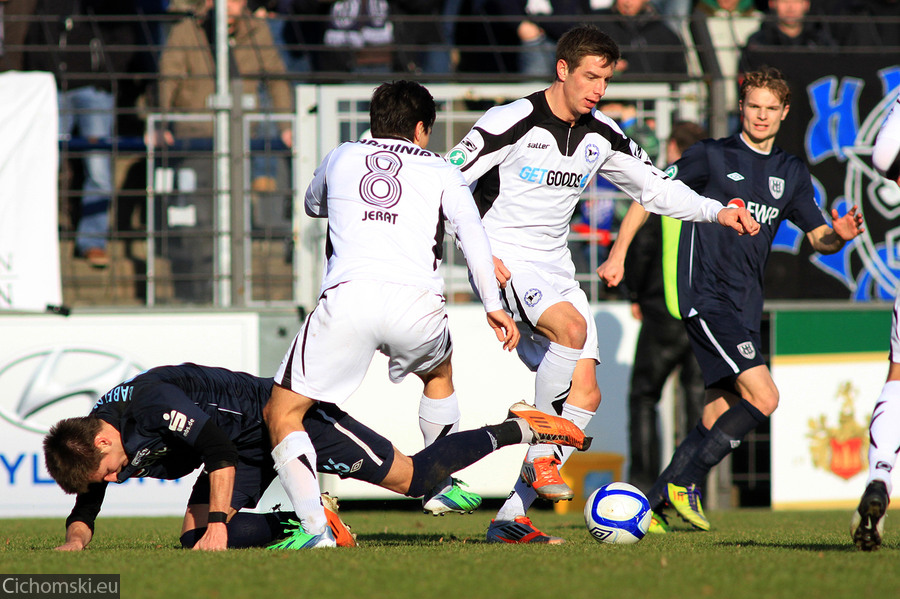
x: 617, y: 513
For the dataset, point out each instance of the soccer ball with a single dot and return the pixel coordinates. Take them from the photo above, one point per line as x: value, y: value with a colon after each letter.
x: 617, y: 513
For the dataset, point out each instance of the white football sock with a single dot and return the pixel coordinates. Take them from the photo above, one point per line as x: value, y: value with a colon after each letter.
x: 295, y: 462
x: 438, y: 417
x: 580, y: 417
x: 517, y: 503
x: 551, y: 383
x: 554, y: 376
x: 884, y: 432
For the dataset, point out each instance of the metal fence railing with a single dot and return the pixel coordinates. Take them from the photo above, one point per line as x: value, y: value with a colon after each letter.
x: 256, y: 240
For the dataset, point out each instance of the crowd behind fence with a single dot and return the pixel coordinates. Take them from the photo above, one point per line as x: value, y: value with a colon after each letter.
x: 141, y: 179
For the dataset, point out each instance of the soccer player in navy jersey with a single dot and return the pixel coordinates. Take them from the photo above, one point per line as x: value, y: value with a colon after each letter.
x: 529, y: 162
x: 168, y: 421
x: 867, y: 524
x: 720, y: 280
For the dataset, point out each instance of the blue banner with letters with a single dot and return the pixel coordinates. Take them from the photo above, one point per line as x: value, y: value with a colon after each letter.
x: 838, y: 103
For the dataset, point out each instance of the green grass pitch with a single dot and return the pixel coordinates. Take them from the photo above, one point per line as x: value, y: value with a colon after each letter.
x: 750, y: 553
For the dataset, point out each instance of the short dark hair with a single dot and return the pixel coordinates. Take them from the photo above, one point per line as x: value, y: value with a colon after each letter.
x: 70, y: 454
x: 767, y: 78
x: 397, y: 108
x: 586, y: 40
x: 687, y: 133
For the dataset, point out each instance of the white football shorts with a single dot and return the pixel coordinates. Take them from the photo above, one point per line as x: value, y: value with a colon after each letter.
x: 330, y: 355
x: 528, y: 293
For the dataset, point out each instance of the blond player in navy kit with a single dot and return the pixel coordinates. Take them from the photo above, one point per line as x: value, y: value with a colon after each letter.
x: 529, y: 162
x: 385, y: 199
x: 719, y: 282
x: 867, y: 524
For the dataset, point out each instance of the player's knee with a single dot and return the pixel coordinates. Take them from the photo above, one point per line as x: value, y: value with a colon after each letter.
x: 574, y: 332
x: 766, y: 402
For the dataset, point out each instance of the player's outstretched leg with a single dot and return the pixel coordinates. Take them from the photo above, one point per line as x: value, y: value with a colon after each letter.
x: 452, y: 498
x: 548, y: 428
x: 867, y: 525
x: 686, y: 501
x: 518, y: 530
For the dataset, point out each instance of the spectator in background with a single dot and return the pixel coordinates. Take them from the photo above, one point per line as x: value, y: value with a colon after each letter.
x: 663, y: 346
x: 648, y: 45
x: 489, y: 37
x: 875, y: 23
x: 418, y: 24
x: 15, y: 18
x: 356, y: 36
x: 538, y: 34
x: 187, y: 82
x: 720, y: 29
x: 74, y: 40
x: 277, y: 14
x: 785, y: 26
x: 676, y: 13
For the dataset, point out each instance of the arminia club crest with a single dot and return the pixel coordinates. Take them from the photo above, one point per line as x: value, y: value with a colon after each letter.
x: 840, y: 448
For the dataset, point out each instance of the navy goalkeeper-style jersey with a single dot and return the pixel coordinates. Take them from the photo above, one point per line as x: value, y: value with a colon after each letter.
x: 719, y: 271
x: 161, y: 412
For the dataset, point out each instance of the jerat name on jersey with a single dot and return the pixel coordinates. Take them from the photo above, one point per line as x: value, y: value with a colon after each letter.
x: 763, y: 213
x: 554, y: 178
x: 388, y: 217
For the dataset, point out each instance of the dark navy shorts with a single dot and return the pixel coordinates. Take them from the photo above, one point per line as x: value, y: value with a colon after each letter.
x: 724, y: 348
x: 343, y: 446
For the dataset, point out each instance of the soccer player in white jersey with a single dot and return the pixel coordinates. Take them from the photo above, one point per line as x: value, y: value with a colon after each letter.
x: 385, y: 199
x: 529, y: 162
x: 884, y: 428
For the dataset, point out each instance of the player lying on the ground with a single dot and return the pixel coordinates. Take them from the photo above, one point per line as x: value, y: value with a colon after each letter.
x: 884, y: 428
x: 170, y: 420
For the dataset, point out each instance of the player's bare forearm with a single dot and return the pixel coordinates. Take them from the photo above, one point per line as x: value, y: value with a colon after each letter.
x: 613, y: 269
x: 221, y: 485
x: 78, y: 535
x: 830, y: 240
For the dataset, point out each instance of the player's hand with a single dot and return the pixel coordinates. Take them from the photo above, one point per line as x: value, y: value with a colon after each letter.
x: 611, y: 271
x: 501, y: 272
x: 738, y: 219
x: 214, y: 539
x: 70, y: 546
x: 636, y: 312
x: 848, y: 226
x: 505, y: 329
